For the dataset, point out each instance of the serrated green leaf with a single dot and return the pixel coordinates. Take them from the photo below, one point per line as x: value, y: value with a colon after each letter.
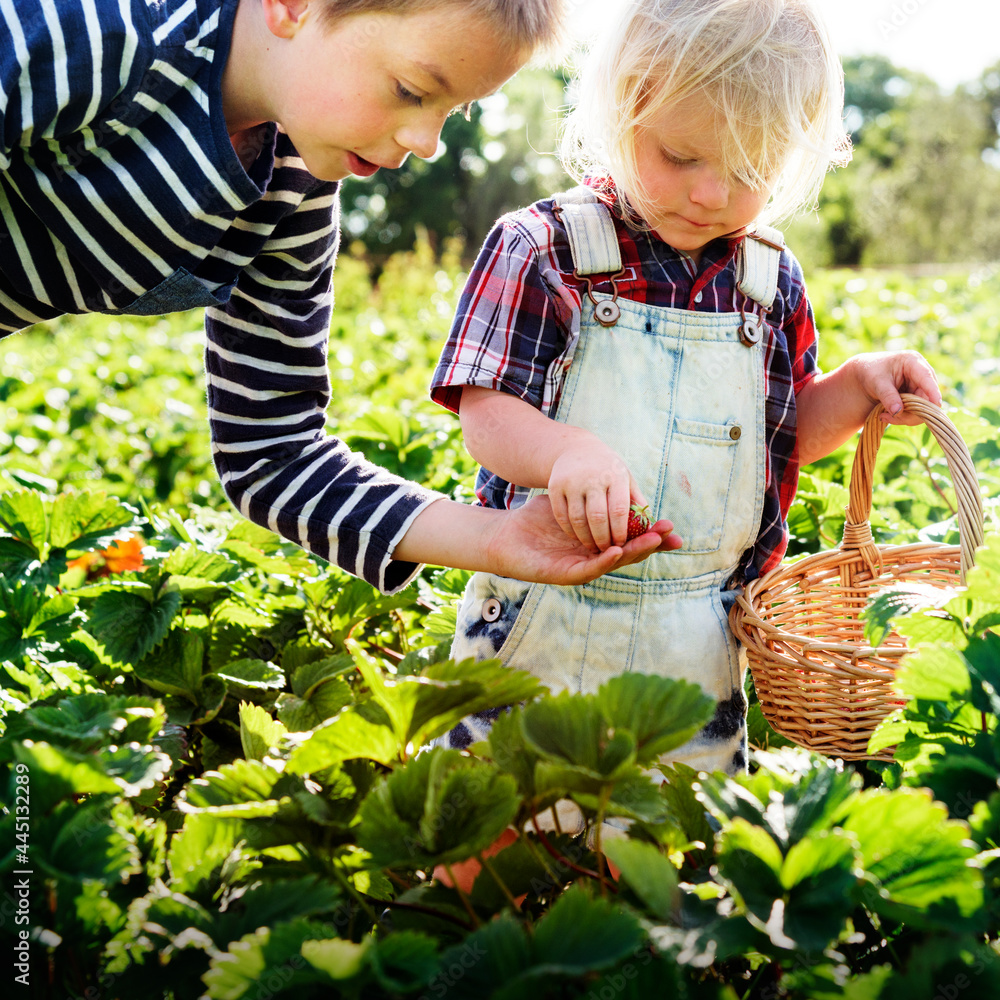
x: 203, y: 844
x: 661, y: 713
x: 934, y: 673
x: 253, y: 673
x: 903, y: 599
x: 23, y: 516
x: 494, y: 955
x: 270, y: 954
x: 580, y: 934
x: 358, y: 732
x: 81, y: 841
x: 440, y: 807
x: 306, y: 678
x: 259, y: 732
x: 175, y: 667
x: 243, y: 789
x: 190, y: 561
x: 919, y: 859
x: 80, y: 522
x: 337, y: 958
x: 650, y: 875
x: 404, y: 961
x: 129, y: 626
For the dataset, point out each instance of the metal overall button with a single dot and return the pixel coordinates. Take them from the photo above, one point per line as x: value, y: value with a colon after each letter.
x: 736, y: 432
x: 491, y: 609
x: 607, y: 312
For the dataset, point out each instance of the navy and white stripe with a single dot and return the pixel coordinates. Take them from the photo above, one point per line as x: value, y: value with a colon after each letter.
x: 120, y: 191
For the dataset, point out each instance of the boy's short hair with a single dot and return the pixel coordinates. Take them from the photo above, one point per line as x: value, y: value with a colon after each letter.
x: 766, y: 69
x: 535, y: 26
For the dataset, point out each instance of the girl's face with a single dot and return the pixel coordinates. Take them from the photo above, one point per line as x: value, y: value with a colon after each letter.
x: 689, y: 199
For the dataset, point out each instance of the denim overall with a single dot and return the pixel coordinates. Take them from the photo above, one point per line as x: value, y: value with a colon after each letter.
x: 679, y: 395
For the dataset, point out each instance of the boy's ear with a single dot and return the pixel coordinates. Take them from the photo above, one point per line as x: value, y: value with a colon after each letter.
x: 284, y: 17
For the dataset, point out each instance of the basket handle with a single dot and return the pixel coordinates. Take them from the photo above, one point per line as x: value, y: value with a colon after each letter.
x: 857, y: 528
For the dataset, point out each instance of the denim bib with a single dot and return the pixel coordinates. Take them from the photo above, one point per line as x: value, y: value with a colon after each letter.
x: 180, y: 291
x: 680, y: 396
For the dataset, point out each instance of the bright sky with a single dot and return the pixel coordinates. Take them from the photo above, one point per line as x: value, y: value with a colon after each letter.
x: 952, y: 41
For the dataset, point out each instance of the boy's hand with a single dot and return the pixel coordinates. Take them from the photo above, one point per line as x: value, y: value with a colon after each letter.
x: 590, y: 489
x: 529, y: 545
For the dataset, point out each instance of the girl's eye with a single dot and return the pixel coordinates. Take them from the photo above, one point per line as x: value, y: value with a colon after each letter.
x: 407, y: 95
x: 677, y: 161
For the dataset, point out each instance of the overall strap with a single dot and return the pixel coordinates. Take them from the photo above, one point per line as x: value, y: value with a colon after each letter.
x: 757, y: 265
x: 591, y: 231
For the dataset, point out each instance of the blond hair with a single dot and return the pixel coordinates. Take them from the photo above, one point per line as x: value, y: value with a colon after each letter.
x: 766, y: 70
x: 536, y: 26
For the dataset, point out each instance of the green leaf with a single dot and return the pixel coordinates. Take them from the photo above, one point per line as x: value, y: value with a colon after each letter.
x: 241, y: 790
x: 253, y: 673
x: 306, y: 678
x: 176, y: 666
x: 81, y: 841
x: 404, y: 961
x: 934, y: 673
x: 661, y: 713
x: 204, y: 843
x: 129, y: 626
x: 88, y: 721
x: 358, y: 732
x: 81, y: 522
x: 572, y: 735
x: 272, y: 955
x: 441, y: 807
x: 650, y: 875
x: 918, y: 858
x: 337, y: 958
x: 903, y: 599
x: 22, y: 515
x: 259, y: 732
x: 496, y: 954
x: 190, y: 561
x: 580, y: 934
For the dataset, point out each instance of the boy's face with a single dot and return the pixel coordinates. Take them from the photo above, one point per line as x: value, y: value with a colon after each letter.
x: 691, y: 199
x: 365, y: 91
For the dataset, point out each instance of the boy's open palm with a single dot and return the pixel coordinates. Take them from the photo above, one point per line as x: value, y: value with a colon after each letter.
x: 530, y: 546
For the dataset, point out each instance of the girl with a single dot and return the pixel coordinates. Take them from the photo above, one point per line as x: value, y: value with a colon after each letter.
x: 647, y: 336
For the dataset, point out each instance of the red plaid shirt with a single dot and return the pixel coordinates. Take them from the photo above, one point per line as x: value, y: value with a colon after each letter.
x: 521, y: 304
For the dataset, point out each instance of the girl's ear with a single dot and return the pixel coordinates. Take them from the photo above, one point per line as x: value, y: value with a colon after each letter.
x: 284, y: 17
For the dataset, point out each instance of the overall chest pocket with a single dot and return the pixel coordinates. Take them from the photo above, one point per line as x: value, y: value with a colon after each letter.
x: 701, y: 477
x: 180, y: 291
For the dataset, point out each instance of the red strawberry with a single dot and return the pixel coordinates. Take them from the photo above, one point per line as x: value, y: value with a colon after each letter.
x: 639, y: 521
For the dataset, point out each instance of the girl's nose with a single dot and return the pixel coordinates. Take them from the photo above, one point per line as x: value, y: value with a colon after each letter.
x: 709, y: 189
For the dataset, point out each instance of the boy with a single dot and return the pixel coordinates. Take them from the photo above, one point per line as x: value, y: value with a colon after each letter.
x: 143, y: 171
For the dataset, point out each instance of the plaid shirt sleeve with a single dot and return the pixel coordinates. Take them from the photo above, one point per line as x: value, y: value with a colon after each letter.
x: 790, y: 363
x: 514, y: 315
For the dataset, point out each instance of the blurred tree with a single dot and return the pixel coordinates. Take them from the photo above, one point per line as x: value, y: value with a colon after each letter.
x: 920, y: 187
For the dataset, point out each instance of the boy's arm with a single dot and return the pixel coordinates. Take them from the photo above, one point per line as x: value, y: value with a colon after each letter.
x: 833, y: 406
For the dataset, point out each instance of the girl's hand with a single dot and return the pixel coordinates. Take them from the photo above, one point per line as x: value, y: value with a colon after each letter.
x: 883, y: 376
x: 590, y: 489
x: 832, y: 406
x: 527, y: 544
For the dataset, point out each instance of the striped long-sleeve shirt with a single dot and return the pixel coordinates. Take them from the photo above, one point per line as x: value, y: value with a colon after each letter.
x: 121, y: 192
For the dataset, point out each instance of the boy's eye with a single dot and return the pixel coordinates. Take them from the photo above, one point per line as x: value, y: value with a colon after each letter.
x: 405, y: 94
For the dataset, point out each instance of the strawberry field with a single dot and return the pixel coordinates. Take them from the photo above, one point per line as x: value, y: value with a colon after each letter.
x: 209, y: 756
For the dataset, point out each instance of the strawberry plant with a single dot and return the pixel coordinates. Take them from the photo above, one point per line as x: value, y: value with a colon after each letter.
x: 223, y: 737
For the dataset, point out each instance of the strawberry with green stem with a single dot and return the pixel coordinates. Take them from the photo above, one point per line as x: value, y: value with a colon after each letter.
x: 639, y: 521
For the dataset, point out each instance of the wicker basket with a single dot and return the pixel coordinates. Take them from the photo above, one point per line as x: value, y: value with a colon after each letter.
x: 819, y: 683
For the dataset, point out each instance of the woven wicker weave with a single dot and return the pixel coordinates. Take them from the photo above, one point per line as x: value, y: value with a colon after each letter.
x: 819, y: 682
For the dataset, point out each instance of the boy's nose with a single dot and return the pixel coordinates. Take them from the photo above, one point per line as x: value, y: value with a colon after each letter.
x: 421, y: 140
